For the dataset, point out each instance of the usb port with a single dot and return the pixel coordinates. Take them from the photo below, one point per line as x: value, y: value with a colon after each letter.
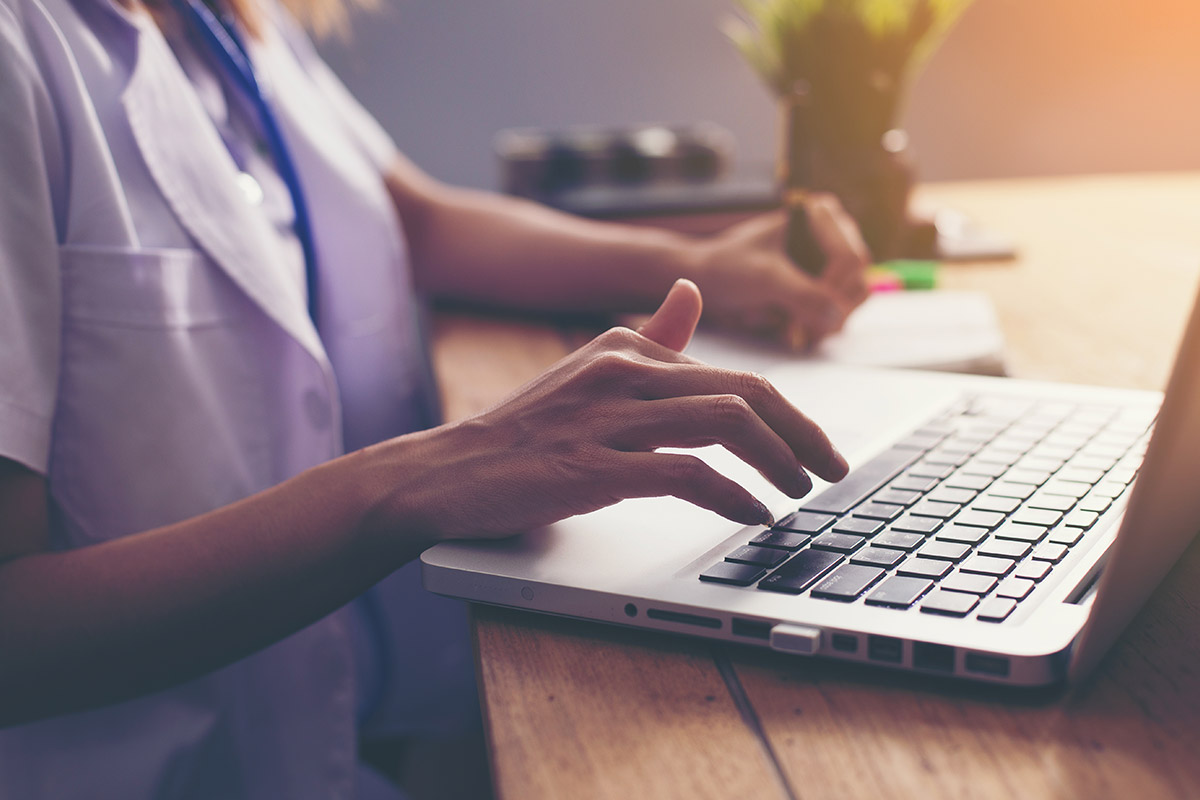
x: 885, y: 648
x: 987, y: 665
x: 751, y: 629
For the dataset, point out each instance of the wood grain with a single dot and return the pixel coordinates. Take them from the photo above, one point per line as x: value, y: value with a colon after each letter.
x: 1107, y: 271
x: 579, y: 710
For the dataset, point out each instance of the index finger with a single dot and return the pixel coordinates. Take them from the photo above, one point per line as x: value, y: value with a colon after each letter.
x: 808, y: 442
x: 839, y: 237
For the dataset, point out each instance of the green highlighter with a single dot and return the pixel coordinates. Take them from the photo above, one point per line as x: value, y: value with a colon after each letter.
x: 914, y: 273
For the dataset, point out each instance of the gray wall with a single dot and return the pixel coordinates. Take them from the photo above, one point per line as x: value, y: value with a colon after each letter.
x: 1022, y: 87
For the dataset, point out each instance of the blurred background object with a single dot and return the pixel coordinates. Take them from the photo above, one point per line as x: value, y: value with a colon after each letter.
x: 540, y: 164
x: 840, y: 71
x: 1023, y: 87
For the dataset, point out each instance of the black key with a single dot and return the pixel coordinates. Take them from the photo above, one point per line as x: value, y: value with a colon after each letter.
x: 898, y: 540
x: 991, y: 502
x: 857, y: 526
x: 988, y: 565
x: 847, y: 582
x: 759, y: 556
x: 898, y: 497
x: 916, y: 524
x: 876, y: 510
x: 839, y: 542
x: 951, y: 604
x: 913, y: 483
x: 1005, y: 548
x: 944, y: 551
x: 1050, y: 551
x: 804, y: 522
x: 966, y: 582
x: 799, y: 573
x: 1033, y: 570
x: 1020, y: 532
x: 948, y: 494
x: 897, y: 592
x: 1016, y: 588
x: 735, y: 574
x: 996, y: 609
x: 1037, y: 516
x: 962, y: 533
x: 930, y: 508
x: 1054, y: 502
x: 924, y: 567
x: 965, y: 480
x: 784, y: 540
x: 861, y: 482
x: 979, y: 519
x: 877, y: 557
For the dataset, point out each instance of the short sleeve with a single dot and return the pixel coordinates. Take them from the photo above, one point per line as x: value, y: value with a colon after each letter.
x: 30, y: 305
x: 363, y: 128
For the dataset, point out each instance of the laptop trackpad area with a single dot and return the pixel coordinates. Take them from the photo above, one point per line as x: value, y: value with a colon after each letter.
x: 623, y: 547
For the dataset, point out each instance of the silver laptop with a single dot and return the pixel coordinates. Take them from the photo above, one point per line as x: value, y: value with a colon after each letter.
x: 991, y: 529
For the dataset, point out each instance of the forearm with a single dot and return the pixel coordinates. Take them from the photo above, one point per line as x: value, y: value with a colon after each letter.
x: 98, y: 624
x: 486, y: 248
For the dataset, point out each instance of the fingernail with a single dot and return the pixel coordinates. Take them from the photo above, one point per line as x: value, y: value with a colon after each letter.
x: 804, y: 482
x: 763, y: 514
x: 838, y: 464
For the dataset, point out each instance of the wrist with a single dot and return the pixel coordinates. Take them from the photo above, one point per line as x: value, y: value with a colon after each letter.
x: 392, y: 514
x: 669, y: 256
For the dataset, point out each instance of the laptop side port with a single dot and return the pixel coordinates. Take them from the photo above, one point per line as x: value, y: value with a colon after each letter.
x: 935, y: 657
x: 751, y: 628
x: 683, y: 619
x: 997, y: 666
x: 844, y: 642
x: 885, y: 648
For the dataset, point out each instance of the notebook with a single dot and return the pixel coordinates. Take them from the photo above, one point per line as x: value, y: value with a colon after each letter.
x: 990, y: 529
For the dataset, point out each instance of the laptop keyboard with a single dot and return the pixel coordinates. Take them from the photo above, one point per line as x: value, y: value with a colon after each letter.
x: 965, y: 516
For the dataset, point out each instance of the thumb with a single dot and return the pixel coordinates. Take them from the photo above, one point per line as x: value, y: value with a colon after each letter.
x: 675, y: 321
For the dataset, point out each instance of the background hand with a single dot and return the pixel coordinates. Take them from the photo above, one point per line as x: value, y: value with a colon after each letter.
x: 752, y: 286
x: 585, y: 434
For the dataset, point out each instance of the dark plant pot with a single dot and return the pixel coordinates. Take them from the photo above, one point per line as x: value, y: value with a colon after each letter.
x: 850, y: 149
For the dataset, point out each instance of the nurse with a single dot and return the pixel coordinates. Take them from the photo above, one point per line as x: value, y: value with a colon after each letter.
x: 218, y: 439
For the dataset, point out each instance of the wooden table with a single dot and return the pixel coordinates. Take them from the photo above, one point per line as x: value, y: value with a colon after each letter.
x: 1106, y: 274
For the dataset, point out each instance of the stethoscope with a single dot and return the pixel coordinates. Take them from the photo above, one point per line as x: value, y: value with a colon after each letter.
x: 221, y: 37
x: 223, y: 40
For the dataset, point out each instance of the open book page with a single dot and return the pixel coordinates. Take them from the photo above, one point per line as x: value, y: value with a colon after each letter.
x: 954, y: 331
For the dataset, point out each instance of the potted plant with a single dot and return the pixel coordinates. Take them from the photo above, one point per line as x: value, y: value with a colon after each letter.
x: 840, y: 69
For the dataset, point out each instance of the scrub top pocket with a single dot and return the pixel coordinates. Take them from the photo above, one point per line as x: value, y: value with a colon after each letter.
x: 162, y: 411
